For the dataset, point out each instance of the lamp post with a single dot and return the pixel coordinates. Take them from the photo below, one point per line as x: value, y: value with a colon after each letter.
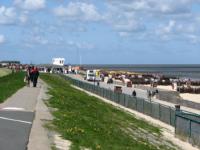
x: 94, y: 80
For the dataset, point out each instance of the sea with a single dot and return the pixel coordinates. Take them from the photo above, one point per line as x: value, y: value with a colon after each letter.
x: 191, y: 71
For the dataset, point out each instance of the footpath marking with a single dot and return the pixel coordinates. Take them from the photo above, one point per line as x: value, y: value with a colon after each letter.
x: 15, y: 120
x: 12, y: 108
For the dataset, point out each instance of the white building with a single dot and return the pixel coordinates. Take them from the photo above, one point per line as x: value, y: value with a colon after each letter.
x: 58, y: 61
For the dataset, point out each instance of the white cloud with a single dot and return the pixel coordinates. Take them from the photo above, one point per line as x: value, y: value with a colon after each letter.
x: 122, y: 21
x: 154, y: 6
x: 149, y: 17
x: 7, y: 15
x: 179, y: 30
x: 166, y: 29
x: 187, y: 28
x: 124, y: 34
x: 2, y: 39
x: 170, y: 6
x: 80, y: 45
x: 192, y: 38
x: 23, y: 18
x: 78, y: 11
x: 33, y: 39
x: 30, y: 4
x: 40, y: 40
x: 128, y: 26
x: 11, y: 16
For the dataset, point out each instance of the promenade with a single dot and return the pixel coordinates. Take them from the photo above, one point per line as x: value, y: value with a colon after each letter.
x: 20, y: 117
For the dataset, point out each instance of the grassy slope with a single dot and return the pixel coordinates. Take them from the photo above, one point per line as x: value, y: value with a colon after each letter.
x: 10, y: 84
x: 4, y: 72
x: 91, y: 123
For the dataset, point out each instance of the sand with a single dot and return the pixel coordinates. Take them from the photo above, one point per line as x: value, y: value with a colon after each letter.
x: 191, y: 97
x: 186, y: 96
x: 162, y: 87
x: 168, y: 87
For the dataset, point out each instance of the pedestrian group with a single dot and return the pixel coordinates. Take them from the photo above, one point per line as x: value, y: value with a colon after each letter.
x: 32, y: 75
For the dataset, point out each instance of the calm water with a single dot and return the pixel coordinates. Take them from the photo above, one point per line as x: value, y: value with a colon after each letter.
x: 189, y: 71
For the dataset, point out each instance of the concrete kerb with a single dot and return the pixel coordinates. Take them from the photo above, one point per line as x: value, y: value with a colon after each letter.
x: 38, y: 138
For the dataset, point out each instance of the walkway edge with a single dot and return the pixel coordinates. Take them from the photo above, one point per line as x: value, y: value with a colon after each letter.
x: 38, y: 139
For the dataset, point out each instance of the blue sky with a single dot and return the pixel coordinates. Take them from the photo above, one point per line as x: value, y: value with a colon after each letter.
x: 101, y: 31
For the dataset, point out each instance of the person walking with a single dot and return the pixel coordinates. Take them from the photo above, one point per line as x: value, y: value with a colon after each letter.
x: 35, y: 75
x: 149, y: 95
x: 28, y: 78
x: 31, y: 73
x: 134, y: 93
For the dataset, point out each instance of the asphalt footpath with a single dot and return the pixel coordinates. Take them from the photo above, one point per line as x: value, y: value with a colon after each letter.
x: 15, y: 128
x: 17, y: 114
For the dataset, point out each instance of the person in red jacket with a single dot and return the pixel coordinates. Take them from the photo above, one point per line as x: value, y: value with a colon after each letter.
x: 35, y: 75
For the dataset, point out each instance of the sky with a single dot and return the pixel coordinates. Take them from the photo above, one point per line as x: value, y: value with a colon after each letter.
x: 100, y: 31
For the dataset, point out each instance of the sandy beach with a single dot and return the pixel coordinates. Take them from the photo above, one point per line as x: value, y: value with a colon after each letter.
x: 186, y: 96
x: 191, y: 97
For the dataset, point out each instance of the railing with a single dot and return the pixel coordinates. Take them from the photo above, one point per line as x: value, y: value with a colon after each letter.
x: 158, y: 111
x: 187, y: 127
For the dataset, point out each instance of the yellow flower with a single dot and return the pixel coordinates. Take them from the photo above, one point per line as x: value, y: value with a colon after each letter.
x: 98, y: 146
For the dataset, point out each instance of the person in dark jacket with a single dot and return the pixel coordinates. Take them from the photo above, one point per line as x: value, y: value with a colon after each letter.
x: 134, y: 93
x: 35, y: 75
x: 31, y: 73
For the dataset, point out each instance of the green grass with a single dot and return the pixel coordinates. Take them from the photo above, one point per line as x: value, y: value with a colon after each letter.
x: 10, y: 84
x: 88, y: 122
x: 4, y: 72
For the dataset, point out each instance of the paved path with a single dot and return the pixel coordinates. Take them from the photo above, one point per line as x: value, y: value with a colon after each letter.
x: 39, y: 139
x: 16, y: 118
x: 25, y: 99
x: 14, y: 129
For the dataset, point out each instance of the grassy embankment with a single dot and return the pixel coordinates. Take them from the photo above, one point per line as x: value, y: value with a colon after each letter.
x: 90, y: 123
x: 9, y: 84
x: 4, y: 72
